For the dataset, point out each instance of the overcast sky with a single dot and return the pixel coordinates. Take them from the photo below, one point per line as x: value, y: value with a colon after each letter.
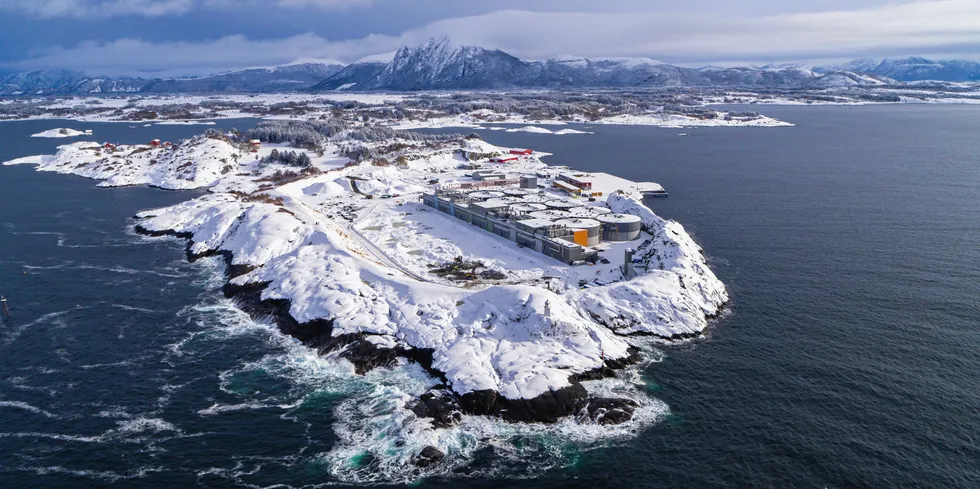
x: 170, y: 37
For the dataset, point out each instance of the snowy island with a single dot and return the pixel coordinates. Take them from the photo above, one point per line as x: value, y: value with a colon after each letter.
x: 62, y: 133
x: 510, y: 281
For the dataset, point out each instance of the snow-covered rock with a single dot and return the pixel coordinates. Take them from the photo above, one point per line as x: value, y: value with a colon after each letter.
x: 60, y: 133
x: 673, y: 296
x: 198, y: 163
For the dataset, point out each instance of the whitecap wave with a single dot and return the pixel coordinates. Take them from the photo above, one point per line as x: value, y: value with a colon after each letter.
x: 27, y: 407
x: 99, y: 475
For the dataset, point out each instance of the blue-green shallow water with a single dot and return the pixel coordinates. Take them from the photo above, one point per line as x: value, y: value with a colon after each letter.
x: 849, y: 357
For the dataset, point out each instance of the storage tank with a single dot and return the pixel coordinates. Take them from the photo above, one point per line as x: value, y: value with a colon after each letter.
x: 590, y: 211
x: 620, y: 227
x: 515, y: 192
x: 537, y: 198
x: 484, y: 194
x: 584, y: 231
x: 526, y: 208
x: 563, y: 205
x: 550, y: 214
x: 504, y: 200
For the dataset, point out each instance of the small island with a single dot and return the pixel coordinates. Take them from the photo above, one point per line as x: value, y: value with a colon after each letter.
x: 62, y: 133
x: 510, y: 281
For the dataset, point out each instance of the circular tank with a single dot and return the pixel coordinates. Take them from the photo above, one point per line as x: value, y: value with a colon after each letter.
x: 620, y: 227
x: 591, y: 227
x: 515, y: 192
x: 562, y: 204
x: 484, y: 194
x: 503, y: 200
x: 527, y: 208
x: 589, y: 211
x: 537, y: 198
x: 550, y: 214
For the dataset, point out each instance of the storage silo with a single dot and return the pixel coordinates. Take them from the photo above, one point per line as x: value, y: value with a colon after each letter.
x: 584, y: 231
x: 620, y: 227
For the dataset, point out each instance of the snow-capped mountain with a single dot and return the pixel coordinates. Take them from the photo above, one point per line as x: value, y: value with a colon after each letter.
x: 916, y: 69
x: 436, y: 64
x: 46, y: 82
x: 912, y: 69
x: 439, y: 65
x: 64, y: 82
x: 846, y: 79
x: 280, y: 78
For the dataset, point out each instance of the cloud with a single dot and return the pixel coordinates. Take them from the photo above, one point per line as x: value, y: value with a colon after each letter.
x: 96, y: 8
x: 893, y: 28
x: 134, y: 56
x: 916, y: 27
x: 81, y: 9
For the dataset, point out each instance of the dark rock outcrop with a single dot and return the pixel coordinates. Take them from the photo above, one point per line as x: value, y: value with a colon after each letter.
x: 441, y: 405
x: 546, y: 408
x: 428, y: 456
x: 607, y: 411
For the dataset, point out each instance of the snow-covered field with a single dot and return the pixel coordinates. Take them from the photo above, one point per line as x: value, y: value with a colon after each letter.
x: 482, y: 120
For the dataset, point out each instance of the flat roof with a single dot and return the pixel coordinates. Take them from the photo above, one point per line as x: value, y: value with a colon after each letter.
x: 618, y: 218
x: 607, y: 184
x: 491, y: 205
x: 536, y: 223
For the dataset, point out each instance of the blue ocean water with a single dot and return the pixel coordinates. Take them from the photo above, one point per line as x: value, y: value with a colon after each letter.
x: 848, y: 358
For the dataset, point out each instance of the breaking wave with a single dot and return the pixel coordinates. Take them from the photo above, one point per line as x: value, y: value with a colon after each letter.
x: 378, y: 437
x: 26, y: 407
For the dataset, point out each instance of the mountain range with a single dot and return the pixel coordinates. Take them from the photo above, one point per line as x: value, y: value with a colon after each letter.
x: 913, y: 69
x: 440, y: 65
x: 255, y: 80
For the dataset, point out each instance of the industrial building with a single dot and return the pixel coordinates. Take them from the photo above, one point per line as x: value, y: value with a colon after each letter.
x: 562, y: 229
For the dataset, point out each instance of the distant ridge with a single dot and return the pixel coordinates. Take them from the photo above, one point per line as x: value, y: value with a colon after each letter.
x: 438, y: 64
x: 913, y: 69
x: 299, y: 76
